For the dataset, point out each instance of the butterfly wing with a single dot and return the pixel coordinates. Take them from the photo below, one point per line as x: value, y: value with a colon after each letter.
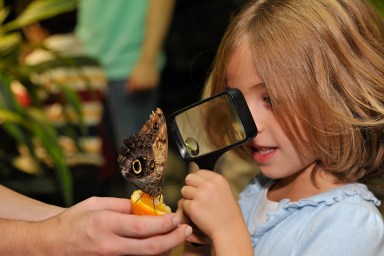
x: 143, y: 156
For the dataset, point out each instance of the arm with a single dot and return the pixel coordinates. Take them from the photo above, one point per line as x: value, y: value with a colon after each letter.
x: 212, y: 207
x: 96, y: 226
x: 146, y: 74
x: 18, y: 207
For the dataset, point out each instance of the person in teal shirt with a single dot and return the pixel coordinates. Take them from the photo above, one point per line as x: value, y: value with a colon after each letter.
x: 127, y: 38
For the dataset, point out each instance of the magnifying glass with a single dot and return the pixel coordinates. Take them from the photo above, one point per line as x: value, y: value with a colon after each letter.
x: 205, y: 130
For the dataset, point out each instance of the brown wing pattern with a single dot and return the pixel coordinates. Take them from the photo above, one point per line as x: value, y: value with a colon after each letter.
x: 143, y: 156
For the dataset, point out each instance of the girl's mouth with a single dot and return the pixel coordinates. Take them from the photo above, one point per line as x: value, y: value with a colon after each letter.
x: 262, y: 154
x: 264, y: 151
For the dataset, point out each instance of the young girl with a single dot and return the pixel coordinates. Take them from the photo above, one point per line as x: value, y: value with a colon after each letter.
x: 312, y: 72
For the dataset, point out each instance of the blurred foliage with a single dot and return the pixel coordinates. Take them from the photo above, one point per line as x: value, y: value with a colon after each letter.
x: 28, y: 126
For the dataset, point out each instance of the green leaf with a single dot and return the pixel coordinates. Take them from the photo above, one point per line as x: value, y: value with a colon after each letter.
x: 21, y: 136
x: 48, y: 137
x: 26, y: 126
x: 39, y: 126
x: 9, y: 42
x: 4, y: 12
x: 39, y: 10
x: 74, y: 101
x: 10, y: 116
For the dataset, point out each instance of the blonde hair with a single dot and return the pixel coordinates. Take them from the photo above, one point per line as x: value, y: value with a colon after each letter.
x: 322, y: 62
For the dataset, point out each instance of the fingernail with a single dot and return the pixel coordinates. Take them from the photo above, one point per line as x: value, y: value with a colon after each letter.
x: 176, y: 220
x: 188, y: 231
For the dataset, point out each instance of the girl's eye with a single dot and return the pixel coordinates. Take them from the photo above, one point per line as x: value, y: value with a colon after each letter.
x: 267, y: 100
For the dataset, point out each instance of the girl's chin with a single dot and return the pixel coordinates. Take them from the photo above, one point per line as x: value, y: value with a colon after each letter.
x: 272, y: 173
x: 271, y: 176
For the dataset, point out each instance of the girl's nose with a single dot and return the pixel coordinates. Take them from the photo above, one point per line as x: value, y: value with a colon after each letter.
x: 257, y: 111
x: 259, y: 125
x: 257, y: 118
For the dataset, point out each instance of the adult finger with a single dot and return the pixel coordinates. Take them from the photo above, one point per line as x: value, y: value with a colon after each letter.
x: 156, y: 244
x: 181, y: 214
x: 145, y: 226
x: 121, y: 205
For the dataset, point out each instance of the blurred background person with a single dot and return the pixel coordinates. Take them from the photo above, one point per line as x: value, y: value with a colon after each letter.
x: 127, y: 37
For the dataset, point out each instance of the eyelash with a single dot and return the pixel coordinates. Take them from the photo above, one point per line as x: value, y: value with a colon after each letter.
x: 267, y: 100
x: 266, y: 97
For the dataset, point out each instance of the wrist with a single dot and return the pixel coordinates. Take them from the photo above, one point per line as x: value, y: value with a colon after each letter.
x: 47, y: 237
x: 22, y: 238
x: 147, y: 60
x: 235, y: 241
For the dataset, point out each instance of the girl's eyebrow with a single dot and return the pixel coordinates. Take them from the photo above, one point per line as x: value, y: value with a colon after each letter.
x: 258, y: 86
x: 261, y: 84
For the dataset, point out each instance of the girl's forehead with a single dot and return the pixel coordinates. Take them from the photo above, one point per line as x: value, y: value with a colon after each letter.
x: 240, y: 56
x: 240, y: 70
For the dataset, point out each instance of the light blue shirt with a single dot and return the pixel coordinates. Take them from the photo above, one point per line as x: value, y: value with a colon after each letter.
x: 340, y: 222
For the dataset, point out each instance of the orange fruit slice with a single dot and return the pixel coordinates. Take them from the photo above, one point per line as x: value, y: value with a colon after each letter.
x: 144, y: 204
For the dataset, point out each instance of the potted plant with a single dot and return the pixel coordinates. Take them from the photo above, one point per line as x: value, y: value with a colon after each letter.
x: 26, y: 126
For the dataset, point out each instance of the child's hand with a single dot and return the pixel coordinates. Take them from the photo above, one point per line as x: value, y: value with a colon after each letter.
x: 197, y: 236
x: 212, y: 207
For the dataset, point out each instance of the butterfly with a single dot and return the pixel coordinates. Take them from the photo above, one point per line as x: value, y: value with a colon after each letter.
x: 143, y: 156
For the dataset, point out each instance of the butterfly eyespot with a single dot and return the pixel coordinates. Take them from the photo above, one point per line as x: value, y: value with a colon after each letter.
x: 152, y: 165
x: 136, y: 166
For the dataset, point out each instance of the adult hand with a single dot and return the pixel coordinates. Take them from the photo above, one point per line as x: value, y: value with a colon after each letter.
x: 145, y: 76
x: 103, y: 226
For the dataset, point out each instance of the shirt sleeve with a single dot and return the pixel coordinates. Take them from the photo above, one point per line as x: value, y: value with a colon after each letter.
x: 344, y: 229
